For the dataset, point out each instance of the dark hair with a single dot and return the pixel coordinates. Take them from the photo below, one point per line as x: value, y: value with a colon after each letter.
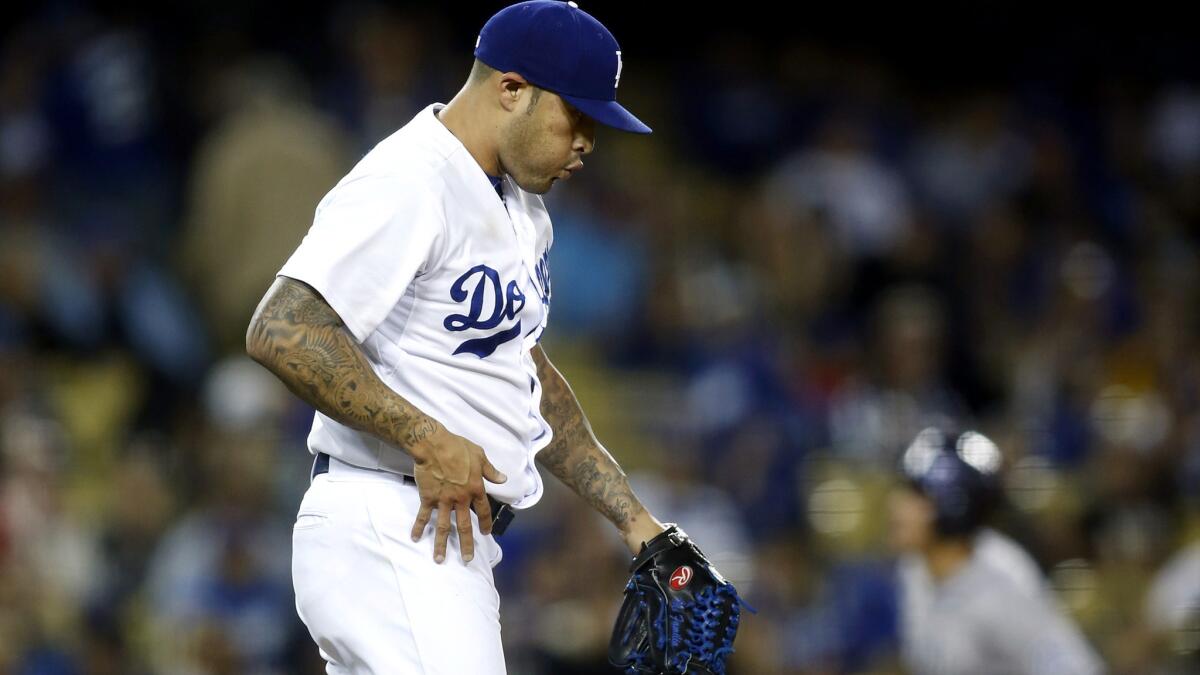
x: 533, y: 99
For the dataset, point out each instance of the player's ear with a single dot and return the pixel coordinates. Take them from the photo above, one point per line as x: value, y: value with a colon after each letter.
x: 512, y: 88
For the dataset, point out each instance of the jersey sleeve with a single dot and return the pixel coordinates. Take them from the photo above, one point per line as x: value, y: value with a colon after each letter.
x: 371, y: 236
x: 1031, y: 637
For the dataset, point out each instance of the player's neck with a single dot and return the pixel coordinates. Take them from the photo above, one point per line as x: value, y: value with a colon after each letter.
x: 472, y: 132
x: 946, y: 557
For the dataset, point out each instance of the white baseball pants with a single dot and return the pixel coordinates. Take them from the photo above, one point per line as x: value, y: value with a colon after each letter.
x: 374, y: 601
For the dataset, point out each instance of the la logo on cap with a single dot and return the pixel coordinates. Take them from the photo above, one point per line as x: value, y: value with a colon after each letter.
x: 537, y: 37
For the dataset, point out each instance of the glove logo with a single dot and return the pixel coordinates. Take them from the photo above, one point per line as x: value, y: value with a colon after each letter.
x: 680, y: 577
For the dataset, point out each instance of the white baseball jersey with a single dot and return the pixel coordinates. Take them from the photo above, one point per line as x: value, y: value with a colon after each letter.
x: 446, y: 286
x: 994, y: 616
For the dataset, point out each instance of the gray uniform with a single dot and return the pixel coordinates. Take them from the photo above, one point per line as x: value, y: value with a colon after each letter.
x: 993, y: 617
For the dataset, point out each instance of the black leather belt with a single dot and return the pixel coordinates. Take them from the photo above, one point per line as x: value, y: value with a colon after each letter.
x: 502, y: 513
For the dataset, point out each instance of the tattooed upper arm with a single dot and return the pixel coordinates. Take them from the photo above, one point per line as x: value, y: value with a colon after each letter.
x: 293, y: 320
x: 561, y: 411
x: 296, y: 335
x: 293, y: 302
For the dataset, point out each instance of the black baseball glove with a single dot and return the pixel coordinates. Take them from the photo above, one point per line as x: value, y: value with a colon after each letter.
x: 679, y: 614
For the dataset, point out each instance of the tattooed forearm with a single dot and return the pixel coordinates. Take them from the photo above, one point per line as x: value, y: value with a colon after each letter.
x: 605, y: 488
x: 574, y: 455
x: 297, y: 336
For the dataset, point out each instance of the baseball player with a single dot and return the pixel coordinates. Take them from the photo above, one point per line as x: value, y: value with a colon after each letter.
x: 410, y: 317
x: 972, y: 600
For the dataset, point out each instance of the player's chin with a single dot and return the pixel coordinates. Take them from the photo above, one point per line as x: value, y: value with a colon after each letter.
x: 542, y: 187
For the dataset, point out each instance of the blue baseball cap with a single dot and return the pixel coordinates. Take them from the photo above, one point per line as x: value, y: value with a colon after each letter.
x: 563, y: 49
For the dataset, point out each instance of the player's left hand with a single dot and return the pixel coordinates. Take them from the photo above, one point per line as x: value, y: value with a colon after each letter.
x: 679, y: 615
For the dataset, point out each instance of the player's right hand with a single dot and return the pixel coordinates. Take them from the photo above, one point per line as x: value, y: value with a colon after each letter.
x: 449, y: 474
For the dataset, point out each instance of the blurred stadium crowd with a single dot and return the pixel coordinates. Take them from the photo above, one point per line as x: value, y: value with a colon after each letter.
x: 759, y: 306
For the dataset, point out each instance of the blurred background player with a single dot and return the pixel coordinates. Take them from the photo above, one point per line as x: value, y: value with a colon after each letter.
x: 972, y: 601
